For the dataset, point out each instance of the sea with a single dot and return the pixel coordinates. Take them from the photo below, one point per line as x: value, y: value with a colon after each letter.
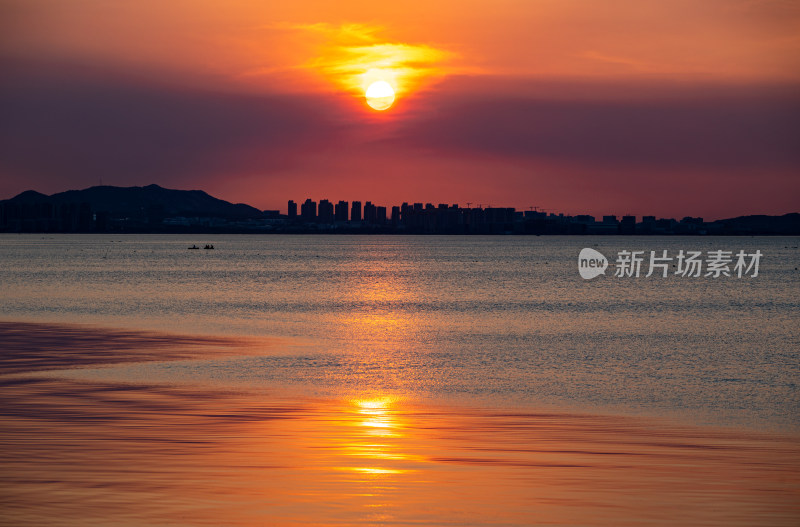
x: 397, y: 380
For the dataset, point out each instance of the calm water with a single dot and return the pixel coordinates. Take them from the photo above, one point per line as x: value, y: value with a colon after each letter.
x: 477, y: 318
x: 340, y: 380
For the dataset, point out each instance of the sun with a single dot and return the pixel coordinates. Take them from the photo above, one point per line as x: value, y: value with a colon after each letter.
x: 380, y: 95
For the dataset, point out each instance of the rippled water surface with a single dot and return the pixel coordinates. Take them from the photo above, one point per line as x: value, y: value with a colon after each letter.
x: 501, y: 318
x: 393, y: 380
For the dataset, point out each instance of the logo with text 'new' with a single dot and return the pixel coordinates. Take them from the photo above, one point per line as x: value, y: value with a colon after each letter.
x: 591, y: 263
x: 691, y: 264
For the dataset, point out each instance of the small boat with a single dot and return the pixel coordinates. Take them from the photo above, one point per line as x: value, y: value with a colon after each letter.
x: 207, y: 247
x: 193, y: 247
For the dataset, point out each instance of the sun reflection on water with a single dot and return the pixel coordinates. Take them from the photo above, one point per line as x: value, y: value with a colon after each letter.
x: 377, y: 418
x: 250, y: 459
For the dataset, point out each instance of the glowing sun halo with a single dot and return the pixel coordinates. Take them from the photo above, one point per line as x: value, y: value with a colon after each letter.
x: 380, y: 95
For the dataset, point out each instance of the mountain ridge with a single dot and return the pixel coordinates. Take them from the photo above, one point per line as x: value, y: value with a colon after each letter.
x: 153, y: 208
x: 133, y: 201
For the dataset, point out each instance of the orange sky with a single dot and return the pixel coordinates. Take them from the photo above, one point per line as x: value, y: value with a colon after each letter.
x: 748, y: 40
x: 496, y: 101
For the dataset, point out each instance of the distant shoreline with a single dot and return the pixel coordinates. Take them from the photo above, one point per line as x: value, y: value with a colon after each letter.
x: 377, y: 232
x: 157, y: 210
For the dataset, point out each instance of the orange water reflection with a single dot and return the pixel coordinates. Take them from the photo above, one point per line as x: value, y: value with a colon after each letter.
x: 374, y: 286
x: 86, y: 453
x: 89, y: 452
x: 380, y: 447
x: 384, y: 335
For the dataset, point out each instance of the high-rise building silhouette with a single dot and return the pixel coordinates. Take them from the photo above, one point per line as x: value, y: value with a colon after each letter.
x: 45, y: 214
x: 340, y: 213
x: 416, y: 218
x: 308, y: 210
x: 627, y: 225
x: 370, y: 214
x: 355, y: 211
x: 325, y: 214
x: 405, y: 212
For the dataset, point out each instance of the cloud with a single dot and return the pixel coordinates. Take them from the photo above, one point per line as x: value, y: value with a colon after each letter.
x: 568, y: 143
x: 618, y: 124
x: 66, y: 124
x: 353, y: 56
x: 624, y: 62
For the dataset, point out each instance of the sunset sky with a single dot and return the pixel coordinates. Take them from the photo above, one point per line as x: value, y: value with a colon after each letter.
x: 672, y: 108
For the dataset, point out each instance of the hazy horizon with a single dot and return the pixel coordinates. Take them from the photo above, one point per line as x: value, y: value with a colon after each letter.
x: 671, y: 109
x: 283, y: 209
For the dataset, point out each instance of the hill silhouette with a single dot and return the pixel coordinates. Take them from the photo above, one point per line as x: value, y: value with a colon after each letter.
x: 760, y: 224
x: 155, y: 209
x: 138, y: 201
